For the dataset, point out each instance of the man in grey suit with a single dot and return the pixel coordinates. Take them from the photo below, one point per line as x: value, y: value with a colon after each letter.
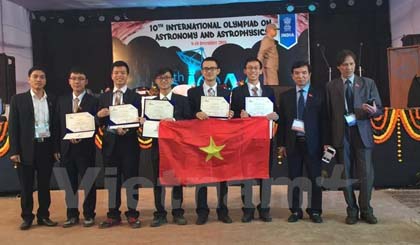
x: 269, y: 55
x: 351, y: 102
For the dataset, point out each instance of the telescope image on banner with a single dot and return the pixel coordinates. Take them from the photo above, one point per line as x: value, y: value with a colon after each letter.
x: 182, y: 44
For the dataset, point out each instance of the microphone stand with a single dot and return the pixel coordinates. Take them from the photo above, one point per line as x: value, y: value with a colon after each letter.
x: 322, y: 49
x: 360, y: 59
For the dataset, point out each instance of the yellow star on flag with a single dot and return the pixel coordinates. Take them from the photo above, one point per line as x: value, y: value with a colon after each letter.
x: 213, y: 150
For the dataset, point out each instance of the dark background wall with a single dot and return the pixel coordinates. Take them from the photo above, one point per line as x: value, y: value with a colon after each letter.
x: 89, y: 43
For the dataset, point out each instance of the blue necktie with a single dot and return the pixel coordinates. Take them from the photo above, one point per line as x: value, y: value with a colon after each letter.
x: 301, y: 104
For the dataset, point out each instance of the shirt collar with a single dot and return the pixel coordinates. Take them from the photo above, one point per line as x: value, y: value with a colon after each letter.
x: 351, y: 79
x: 258, y: 85
x: 306, y: 88
x: 80, y: 97
x: 169, y: 96
x: 206, y: 87
x: 123, y: 89
x: 34, y: 95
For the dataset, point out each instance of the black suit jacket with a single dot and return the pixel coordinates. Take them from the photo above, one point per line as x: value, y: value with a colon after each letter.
x: 22, y: 126
x: 314, y: 118
x: 65, y: 106
x: 239, y: 94
x: 105, y: 100
x: 194, y: 97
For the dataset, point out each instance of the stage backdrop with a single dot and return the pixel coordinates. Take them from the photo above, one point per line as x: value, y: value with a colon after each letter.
x: 182, y: 44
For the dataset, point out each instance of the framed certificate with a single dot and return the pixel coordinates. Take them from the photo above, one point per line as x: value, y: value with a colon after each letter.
x: 158, y: 109
x: 214, y: 106
x: 151, y: 129
x: 123, y: 116
x: 81, y: 125
x: 258, y: 106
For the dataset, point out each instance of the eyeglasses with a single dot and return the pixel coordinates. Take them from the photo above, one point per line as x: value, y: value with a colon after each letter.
x: 211, y: 69
x: 252, y: 68
x: 163, y: 77
x: 77, y: 78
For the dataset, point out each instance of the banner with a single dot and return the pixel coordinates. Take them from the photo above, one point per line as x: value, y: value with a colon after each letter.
x: 213, y: 150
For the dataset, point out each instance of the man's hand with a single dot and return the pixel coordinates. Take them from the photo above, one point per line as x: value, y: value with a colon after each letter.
x: 104, y: 112
x: 244, y: 114
x: 122, y: 131
x: 230, y: 114
x: 169, y: 119
x: 273, y: 116
x: 142, y: 120
x: 15, y: 159
x: 282, y: 151
x: 57, y: 156
x: 75, y: 141
x: 371, y: 109
x: 201, y: 115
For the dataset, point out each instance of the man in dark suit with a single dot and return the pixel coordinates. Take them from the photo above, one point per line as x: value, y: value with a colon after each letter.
x: 76, y: 155
x: 31, y: 139
x: 301, y: 134
x: 253, y: 69
x: 120, y: 148
x: 351, y: 102
x: 182, y: 111
x: 209, y: 69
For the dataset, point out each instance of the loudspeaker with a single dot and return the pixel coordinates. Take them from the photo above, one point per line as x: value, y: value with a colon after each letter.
x: 7, y: 78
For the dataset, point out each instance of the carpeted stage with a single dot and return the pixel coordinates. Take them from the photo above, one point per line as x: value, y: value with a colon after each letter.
x: 397, y: 211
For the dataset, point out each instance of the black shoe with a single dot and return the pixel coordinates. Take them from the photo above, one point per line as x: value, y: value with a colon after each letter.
x: 369, y: 218
x: 134, y: 222
x: 26, y: 224
x: 247, y: 217
x: 225, y: 219
x: 316, y: 218
x: 265, y: 217
x: 46, y: 222
x: 71, y: 222
x: 351, y: 220
x: 294, y: 217
x: 201, y: 219
x: 109, y: 222
x: 180, y: 220
x: 158, y: 221
x: 88, y: 222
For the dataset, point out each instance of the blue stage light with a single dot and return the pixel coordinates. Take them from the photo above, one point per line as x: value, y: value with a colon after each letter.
x: 290, y: 8
x: 312, y: 7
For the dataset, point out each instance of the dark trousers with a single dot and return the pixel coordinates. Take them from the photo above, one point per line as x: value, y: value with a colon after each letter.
x: 356, y: 159
x: 42, y: 165
x: 296, y: 159
x: 76, y: 165
x: 265, y: 196
x: 201, y: 199
x: 177, y: 199
x: 125, y: 159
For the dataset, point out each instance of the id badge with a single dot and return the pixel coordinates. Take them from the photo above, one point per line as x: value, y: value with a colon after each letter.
x: 350, y: 119
x: 42, y: 131
x: 298, y: 126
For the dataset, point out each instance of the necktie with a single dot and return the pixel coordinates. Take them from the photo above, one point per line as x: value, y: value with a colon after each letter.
x: 349, y: 97
x: 118, y: 95
x: 75, y: 105
x: 211, y: 92
x: 165, y: 98
x: 254, y: 91
x: 301, y: 104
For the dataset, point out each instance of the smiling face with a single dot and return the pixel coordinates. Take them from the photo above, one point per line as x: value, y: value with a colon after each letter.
x: 78, y: 82
x: 119, y: 76
x: 301, y: 76
x: 347, y: 67
x: 210, y: 70
x: 253, y: 71
x: 164, y: 81
x: 37, y: 80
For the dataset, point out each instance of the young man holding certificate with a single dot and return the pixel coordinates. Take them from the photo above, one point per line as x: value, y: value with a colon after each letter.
x: 244, y: 104
x: 77, y: 152
x: 180, y: 111
x: 202, y: 107
x: 118, y: 114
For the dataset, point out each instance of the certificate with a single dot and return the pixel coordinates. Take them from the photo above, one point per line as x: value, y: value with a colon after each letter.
x: 258, y: 106
x: 123, y: 116
x: 214, y: 106
x: 158, y: 109
x: 151, y: 129
x: 81, y: 125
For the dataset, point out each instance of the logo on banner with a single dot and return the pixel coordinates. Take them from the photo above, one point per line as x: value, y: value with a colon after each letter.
x: 288, y: 30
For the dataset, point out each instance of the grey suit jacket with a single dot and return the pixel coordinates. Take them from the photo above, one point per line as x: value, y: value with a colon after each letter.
x: 268, y: 53
x: 363, y: 89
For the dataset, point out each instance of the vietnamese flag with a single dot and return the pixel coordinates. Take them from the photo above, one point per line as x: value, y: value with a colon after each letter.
x: 213, y: 150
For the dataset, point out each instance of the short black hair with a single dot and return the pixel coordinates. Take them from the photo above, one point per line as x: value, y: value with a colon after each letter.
x: 301, y: 63
x: 163, y: 71
x: 252, y: 59
x: 210, y: 59
x: 120, y: 63
x: 36, y: 68
x: 77, y: 70
x: 343, y: 54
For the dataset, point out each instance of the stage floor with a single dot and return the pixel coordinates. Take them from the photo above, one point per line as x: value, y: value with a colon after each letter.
x: 399, y: 222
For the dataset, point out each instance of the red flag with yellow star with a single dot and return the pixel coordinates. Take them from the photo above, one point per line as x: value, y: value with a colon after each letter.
x: 213, y: 150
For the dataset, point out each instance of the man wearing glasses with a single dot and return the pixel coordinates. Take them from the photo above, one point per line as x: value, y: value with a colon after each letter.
x: 209, y: 69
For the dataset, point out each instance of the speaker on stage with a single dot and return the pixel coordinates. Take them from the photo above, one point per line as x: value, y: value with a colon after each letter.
x: 7, y: 78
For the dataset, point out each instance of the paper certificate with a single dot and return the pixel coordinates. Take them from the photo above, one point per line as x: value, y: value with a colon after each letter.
x: 81, y: 125
x: 258, y: 106
x: 214, y: 106
x: 151, y: 129
x: 123, y: 116
x: 158, y: 109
